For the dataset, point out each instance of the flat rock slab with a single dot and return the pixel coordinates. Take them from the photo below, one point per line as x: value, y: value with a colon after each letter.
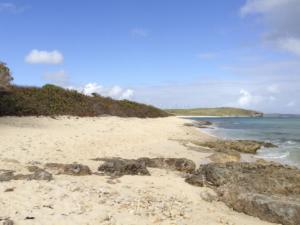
x: 220, y: 157
x: 69, y: 169
x: 120, y: 167
x: 199, y: 124
x: 37, y: 174
x: 269, y: 191
x: 178, y: 164
x: 243, y: 146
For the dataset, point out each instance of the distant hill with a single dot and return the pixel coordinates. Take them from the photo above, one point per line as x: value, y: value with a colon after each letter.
x: 51, y: 100
x: 223, y: 111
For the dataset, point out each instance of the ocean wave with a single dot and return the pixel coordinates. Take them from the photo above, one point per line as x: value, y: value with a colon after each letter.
x: 283, y: 155
x: 290, y: 142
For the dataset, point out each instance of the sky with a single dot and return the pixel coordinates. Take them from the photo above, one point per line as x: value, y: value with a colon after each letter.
x: 168, y: 53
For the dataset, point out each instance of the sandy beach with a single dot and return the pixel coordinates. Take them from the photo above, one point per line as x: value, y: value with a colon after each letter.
x: 162, y: 198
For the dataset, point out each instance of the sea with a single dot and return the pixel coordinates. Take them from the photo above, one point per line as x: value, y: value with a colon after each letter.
x: 282, y: 130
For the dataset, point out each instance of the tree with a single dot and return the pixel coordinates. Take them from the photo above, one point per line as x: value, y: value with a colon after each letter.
x: 5, y: 77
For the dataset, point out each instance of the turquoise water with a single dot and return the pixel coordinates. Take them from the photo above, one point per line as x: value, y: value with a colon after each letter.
x: 282, y: 131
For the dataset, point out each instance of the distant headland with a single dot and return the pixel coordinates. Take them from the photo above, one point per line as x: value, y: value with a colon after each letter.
x: 221, y: 111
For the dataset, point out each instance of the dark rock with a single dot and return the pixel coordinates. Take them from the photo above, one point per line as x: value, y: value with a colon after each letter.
x: 203, y: 123
x: 69, y: 169
x: 196, y: 180
x: 178, y: 164
x: 268, y: 191
x: 29, y: 218
x: 189, y: 124
x: 9, y: 189
x: 199, y: 124
x: 8, y: 222
x: 6, y: 175
x: 38, y: 174
x: 243, y: 146
x: 120, y: 167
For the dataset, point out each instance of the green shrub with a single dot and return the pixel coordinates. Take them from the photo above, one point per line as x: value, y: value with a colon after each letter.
x: 5, y: 77
x: 51, y: 100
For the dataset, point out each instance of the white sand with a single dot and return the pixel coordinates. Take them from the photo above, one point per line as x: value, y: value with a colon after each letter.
x: 162, y: 198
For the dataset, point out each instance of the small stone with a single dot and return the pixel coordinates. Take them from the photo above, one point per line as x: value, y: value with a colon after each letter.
x: 9, y: 189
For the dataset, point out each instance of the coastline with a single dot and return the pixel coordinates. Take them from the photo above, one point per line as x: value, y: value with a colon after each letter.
x: 190, y: 116
x: 99, y: 199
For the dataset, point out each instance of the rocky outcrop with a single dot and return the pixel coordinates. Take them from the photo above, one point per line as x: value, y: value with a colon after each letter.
x: 120, y: 167
x: 220, y: 157
x: 37, y: 174
x: 178, y: 164
x: 243, y: 146
x: 268, y: 191
x: 199, y: 124
x: 69, y: 169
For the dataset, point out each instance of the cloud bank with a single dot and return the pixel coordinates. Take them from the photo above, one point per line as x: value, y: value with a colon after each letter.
x: 281, y: 18
x: 44, y: 57
x: 115, y: 92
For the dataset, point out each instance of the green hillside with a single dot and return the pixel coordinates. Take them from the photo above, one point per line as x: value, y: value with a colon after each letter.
x: 223, y: 111
x: 51, y: 100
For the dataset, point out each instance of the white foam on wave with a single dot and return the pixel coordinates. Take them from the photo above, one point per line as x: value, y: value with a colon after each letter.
x: 270, y: 156
x: 290, y: 142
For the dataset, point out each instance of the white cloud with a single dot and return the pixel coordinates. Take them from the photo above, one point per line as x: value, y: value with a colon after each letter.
x: 262, y: 6
x: 281, y: 21
x: 59, y: 77
x: 90, y: 88
x: 139, y: 32
x: 291, y: 104
x: 127, y: 94
x: 247, y: 99
x: 115, y: 91
x: 274, y: 88
x: 11, y: 8
x: 44, y: 57
x: 290, y: 44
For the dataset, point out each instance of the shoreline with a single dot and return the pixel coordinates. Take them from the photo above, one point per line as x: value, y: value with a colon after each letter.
x: 190, y: 116
x: 278, y: 156
x: 96, y: 199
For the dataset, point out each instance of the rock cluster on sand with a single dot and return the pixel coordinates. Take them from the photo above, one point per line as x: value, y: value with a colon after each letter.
x: 120, y: 167
x: 69, y: 169
x: 268, y: 191
x: 243, y: 146
x: 178, y: 164
x: 37, y: 174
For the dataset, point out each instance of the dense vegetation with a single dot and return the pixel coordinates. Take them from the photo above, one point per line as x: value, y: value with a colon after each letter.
x: 51, y: 100
x: 223, y: 111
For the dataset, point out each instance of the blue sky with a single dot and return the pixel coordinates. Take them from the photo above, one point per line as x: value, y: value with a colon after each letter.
x: 170, y: 53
